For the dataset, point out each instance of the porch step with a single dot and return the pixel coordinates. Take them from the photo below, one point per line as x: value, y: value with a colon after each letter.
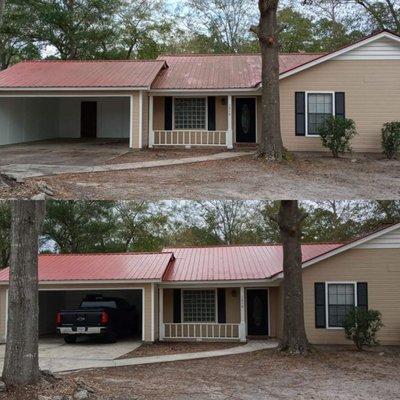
x: 244, y: 146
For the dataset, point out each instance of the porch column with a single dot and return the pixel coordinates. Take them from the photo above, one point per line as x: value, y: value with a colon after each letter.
x: 151, y: 131
x: 229, y: 133
x: 242, y: 327
x: 131, y: 128
x: 141, y: 119
x: 161, y: 314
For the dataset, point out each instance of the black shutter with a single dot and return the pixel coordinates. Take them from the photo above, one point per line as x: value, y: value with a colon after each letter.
x: 319, y: 290
x: 221, y: 306
x: 340, y: 104
x: 362, y: 295
x: 211, y: 113
x: 300, y: 110
x: 168, y: 113
x: 177, y: 306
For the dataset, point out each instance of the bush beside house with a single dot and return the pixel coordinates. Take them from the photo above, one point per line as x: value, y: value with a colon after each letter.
x: 336, y: 134
x: 391, y: 139
x: 361, y: 326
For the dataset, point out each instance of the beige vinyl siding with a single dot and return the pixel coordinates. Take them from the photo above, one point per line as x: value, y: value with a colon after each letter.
x: 232, y: 305
x: 275, y: 310
x: 156, y: 312
x: 380, y: 268
x: 145, y: 133
x: 3, y: 313
x: 135, y: 120
x: 372, y: 97
x: 232, y: 301
x: 158, y: 113
x: 221, y: 113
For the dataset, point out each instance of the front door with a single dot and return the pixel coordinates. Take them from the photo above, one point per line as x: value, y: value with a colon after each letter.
x: 88, y: 119
x: 245, y: 120
x: 257, y: 312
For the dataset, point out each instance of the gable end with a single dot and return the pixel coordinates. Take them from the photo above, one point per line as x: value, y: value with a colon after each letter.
x: 380, y: 49
x: 390, y: 240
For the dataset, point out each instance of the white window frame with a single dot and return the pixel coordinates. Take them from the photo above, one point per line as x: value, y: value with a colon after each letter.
x: 306, y: 107
x: 198, y: 290
x: 327, y: 300
x: 190, y: 97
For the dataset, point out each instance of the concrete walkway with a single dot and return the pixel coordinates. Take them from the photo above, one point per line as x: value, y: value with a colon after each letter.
x: 56, y: 355
x: 20, y: 172
x: 247, y: 348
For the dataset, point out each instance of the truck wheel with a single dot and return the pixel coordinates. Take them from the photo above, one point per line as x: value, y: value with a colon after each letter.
x: 70, y: 339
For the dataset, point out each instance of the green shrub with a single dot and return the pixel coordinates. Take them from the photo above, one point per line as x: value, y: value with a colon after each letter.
x: 361, y: 326
x: 391, y: 139
x: 336, y: 134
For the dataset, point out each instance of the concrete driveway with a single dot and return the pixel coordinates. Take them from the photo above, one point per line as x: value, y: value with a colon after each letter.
x: 55, y: 355
x: 64, y: 152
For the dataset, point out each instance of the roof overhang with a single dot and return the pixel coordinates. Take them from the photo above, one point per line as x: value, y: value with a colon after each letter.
x: 330, y: 56
x: 93, y: 282
x: 214, y: 91
x: 71, y: 89
x: 224, y: 283
x: 346, y: 247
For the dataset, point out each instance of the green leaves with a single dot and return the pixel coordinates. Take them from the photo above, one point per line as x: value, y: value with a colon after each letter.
x: 361, y: 326
x: 391, y: 139
x: 336, y: 134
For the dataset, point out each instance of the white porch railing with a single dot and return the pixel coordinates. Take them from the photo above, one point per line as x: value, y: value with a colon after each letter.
x: 191, y: 138
x: 201, y: 331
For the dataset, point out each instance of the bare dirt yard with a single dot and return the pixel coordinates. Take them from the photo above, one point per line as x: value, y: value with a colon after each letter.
x: 308, y: 176
x: 330, y: 373
x: 164, y: 348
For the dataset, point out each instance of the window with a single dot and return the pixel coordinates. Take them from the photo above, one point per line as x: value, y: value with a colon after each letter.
x: 189, y: 113
x: 319, y: 106
x: 341, y: 299
x: 199, y: 306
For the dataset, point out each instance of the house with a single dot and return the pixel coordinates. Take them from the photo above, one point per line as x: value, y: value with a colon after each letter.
x: 229, y: 292
x: 203, y: 100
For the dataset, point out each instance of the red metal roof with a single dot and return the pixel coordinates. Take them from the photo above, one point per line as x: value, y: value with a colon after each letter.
x: 99, y: 267
x: 234, y: 262
x: 232, y: 71
x: 81, y: 74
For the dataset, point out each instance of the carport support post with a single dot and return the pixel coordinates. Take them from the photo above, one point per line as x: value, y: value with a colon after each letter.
x: 229, y: 133
x: 242, y: 327
x: 161, y: 315
x: 131, y: 128
x: 151, y: 131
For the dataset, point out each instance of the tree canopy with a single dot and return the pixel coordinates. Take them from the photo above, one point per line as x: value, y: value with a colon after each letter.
x: 129, y: 29
x: 103, y: 226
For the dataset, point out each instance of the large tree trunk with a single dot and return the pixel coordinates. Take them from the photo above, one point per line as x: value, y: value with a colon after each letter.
x: 2, y: 7
x: 21, y: 363
x: 289, y: 219
x: 267, y: 32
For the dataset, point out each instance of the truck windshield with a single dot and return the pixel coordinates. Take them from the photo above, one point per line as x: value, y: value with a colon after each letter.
x: 98, y: 304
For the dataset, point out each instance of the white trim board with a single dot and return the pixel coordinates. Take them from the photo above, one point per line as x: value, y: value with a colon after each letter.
x: 341, y: 52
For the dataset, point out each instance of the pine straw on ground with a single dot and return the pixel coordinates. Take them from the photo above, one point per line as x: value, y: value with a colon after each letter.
x: 329, y: 373
x: 164, y: 348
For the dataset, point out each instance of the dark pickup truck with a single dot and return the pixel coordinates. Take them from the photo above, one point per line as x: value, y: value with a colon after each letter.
x: 110, y: 317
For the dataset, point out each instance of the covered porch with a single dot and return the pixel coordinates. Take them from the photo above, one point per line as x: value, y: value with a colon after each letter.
x: 233, y: 313
x: 203, y: 120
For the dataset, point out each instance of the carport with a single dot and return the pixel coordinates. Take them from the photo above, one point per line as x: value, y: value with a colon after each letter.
x: 54, y: 99
x: 65, y: 279
x: 35, y: 117
x: 51, y: 301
